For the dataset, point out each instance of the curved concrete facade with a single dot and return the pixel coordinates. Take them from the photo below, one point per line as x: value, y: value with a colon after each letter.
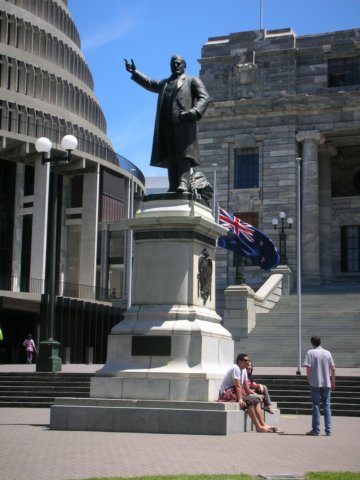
x: 47, y: 90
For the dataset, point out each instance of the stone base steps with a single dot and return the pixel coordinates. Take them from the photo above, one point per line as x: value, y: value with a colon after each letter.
x: 40, y: 389
x: 289, y: 392
x: 152, y: 416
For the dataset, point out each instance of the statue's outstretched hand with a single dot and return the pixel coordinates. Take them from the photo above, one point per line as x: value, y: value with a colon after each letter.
x: 130, y: 67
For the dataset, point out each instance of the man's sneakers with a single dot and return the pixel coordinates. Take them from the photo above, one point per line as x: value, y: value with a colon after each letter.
x: 314, y: 434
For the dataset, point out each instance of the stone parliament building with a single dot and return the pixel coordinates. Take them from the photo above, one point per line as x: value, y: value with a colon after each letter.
x: 277, y: 97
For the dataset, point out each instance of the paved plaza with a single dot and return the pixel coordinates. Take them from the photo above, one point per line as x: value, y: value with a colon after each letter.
x: 30, y: 450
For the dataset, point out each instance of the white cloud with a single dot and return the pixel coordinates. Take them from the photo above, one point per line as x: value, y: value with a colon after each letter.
x: 107, y: 33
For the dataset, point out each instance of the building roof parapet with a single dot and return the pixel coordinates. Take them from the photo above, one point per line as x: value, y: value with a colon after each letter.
x: 265, y: 42
x: 286, y: 102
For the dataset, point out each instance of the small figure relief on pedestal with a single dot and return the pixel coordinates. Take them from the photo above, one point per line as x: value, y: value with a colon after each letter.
x: 205, y: 275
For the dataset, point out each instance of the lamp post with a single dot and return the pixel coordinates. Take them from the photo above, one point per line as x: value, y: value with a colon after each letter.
x: 48, y: 359
x: 282, y: 235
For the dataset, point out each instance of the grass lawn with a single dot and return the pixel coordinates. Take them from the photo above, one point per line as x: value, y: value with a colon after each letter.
x: 333, y: 476
x: 308, y: 476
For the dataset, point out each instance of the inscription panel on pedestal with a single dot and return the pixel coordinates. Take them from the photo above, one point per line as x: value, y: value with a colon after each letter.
x: 151, y: 345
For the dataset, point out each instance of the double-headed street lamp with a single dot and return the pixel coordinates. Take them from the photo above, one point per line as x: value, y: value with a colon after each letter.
x: 282, y: 235
x: 48, y: 358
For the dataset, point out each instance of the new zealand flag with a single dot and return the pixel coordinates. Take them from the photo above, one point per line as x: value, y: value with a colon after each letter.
x: 247, y: 241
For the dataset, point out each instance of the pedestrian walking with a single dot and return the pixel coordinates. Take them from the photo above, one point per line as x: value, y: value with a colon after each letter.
x: 30, y: 348
x: 320, y: 370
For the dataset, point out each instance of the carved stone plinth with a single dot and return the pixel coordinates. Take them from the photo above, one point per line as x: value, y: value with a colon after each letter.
x: 171, y: 345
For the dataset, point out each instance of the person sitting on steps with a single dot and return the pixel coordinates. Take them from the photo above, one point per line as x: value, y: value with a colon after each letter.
x: 232, y: 384
x: 259, y: 389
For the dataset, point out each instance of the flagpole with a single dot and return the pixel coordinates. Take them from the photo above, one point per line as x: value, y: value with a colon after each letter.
x: 130, y: 242
x: 261, y: 14
x: 298, y: 262
x: 214, y: 191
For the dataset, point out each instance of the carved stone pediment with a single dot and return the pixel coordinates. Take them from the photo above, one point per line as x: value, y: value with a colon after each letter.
x: 246, y: 73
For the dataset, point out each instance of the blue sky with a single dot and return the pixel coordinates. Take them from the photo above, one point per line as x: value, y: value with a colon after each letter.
x: 151, y: 31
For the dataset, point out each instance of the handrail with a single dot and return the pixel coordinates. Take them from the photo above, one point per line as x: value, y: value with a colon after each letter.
x: 270, y: 292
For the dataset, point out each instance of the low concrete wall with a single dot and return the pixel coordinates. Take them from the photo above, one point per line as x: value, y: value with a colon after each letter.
x: 242, y: 303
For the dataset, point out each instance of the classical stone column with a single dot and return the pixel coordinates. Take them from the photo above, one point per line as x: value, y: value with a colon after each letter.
x: 325, y: 153
x: 310, y: 207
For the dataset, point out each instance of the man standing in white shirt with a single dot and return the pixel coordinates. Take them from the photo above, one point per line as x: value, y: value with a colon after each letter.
x: 320, y: 370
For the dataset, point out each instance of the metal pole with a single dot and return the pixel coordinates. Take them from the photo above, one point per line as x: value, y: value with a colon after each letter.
x: 130, y: 243
x: 282, y: 238
x: 214, y: 191
x: 52, y: 254
x: 48, y: 358
x: 261, y: 14
x: 298, y: 262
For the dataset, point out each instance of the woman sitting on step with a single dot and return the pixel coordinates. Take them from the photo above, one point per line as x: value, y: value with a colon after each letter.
x: 258, y: 388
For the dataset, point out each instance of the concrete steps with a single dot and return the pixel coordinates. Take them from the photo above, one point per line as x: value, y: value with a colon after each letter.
x: 333, y: 315
x: 40, y: 389
x: 291, y: 393
x: 152, y: 416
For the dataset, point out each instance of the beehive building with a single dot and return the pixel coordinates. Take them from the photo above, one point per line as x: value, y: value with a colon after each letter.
x: 47, y: 90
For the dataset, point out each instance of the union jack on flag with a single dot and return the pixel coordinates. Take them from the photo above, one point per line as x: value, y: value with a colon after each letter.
x: 247, y: 241
x: 234, y: 224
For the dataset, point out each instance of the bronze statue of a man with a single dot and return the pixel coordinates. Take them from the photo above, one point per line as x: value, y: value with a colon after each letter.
x: 182, y: 102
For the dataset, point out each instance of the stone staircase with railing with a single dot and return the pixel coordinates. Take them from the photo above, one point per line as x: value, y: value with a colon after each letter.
x: 332, y: 312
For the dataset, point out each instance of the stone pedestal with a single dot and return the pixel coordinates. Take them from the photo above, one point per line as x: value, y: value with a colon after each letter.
x: 147, y: 416
x: 171, y: 345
